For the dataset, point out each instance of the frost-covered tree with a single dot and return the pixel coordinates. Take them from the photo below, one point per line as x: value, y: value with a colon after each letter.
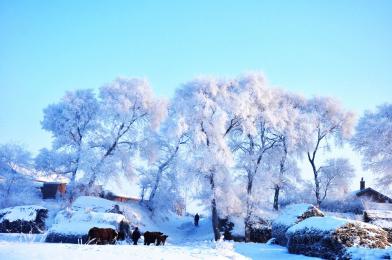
x: 205, y: 105
x: 128, y: 110
x: 373, y: 140
x: 71, y: 122
x: 163, y: 173
x: 16, y: 175
x: 256, y: 138
x: 335, y: 178
x: 328, y: 122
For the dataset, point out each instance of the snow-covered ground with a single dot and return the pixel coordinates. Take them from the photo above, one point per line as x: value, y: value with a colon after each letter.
x: 185, y: 241
x: 13, y: 248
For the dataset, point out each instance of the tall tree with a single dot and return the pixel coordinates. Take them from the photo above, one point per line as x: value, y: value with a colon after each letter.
x: 71, y: 122
x: 128, y: 110
x: 163, y: 172
x: 373, y: 140
x: 204, y: 104
x: 328, y: 122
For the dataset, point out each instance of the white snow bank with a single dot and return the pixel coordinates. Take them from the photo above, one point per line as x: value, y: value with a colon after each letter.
x: 93, y: 203
x: 25, y: 213
x: 42, y: 251
x: 265, y: 251
x: 86, y: 213
x: 77, y: 228
x: 290, y: 214
x: 319, y: 223
x: 359, y: 253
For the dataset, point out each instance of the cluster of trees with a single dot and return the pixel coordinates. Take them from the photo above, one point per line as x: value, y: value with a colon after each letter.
x: 234, y: 143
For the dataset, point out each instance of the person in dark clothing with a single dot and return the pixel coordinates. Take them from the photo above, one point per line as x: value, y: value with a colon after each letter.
x: 197, y: 217
x: 135, y: 235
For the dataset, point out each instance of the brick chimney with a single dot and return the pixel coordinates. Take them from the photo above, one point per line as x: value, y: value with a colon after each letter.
x: 362, y: 186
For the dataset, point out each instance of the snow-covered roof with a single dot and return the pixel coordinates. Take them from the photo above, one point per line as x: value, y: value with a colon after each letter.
x: 374, y: 193
x: 319, y: 223
x: 26, y: 213
x: 379, y: 214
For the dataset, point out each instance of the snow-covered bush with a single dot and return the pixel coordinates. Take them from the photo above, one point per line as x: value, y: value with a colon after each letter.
x: 290, y: 216
x: 329, y: 237
x: 23, y: 219
x: 71, y: 225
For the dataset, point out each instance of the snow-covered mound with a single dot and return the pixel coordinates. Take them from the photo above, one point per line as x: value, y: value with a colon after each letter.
x: 23, y: 219
x: 72, y: 224
x: 329, y: 237
x: 290, y: 216
x: 324, y: 224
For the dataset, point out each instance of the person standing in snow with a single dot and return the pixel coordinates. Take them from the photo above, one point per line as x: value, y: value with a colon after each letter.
x: 197, y: 217
x: 135, y: 235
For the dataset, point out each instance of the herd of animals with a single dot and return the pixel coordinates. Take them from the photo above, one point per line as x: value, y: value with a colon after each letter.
x: 103, y: 236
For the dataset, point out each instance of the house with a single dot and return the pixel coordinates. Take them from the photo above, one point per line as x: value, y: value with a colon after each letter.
x: 50, y: 190
x: 120, y: 198
x: 369, y: 194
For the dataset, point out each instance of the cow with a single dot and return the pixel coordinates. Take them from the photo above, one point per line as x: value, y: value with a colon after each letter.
x: 102, y: 236
x: 161, y: 239
x: 155, y: 238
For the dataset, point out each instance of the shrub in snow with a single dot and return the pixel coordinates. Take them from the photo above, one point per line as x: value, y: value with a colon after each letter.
x: 261, y: 231
x: 23, y: 219
x: 290, y: 216
x: 329, y: 237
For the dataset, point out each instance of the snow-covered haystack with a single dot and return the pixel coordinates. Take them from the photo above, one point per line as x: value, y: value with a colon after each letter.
x: 329, y: 237
x: 290, y: 216
x: 23, y: 219
x: 380, y: 218
x: 72, y: 225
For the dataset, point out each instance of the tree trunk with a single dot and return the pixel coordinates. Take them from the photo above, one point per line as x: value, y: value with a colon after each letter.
x: 248, y: 223
x: 316, y: 179
x: 215, y: 220
x: 214, y: 212
x: 276, y: 197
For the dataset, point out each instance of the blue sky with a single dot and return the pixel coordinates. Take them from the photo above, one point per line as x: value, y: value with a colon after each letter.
x: 337, y: 48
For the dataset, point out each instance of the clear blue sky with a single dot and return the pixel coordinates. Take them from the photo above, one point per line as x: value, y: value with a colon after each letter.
x: 337, y: 48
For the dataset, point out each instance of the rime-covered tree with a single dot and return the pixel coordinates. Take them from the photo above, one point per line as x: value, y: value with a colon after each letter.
x: 205, y: 104
x: 335, y: 177
x: 329, y: 124
x: 71, y: 122
x: 373, y: 140
x: 163, y: 173
x: 128, y: 110
x: 16, y: 175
